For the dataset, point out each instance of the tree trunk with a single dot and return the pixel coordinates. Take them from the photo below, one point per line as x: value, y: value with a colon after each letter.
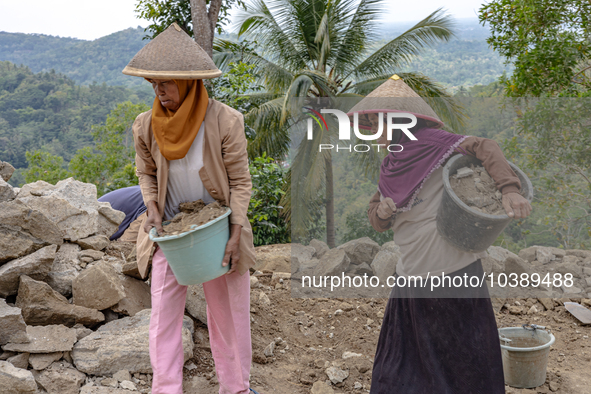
x: 204, y: 22
x: 330, y: 230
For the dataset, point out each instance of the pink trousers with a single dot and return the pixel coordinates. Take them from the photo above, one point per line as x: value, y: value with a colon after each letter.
x: 228, y: 322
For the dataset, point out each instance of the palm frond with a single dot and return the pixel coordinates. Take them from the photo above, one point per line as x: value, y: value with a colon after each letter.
x: 273, y: 76
x: 434, y: 29
x: 301, y: 86
x: 357, y: 36
x: 259, y: 22
x: 448, y: 108
x: 271, y: 137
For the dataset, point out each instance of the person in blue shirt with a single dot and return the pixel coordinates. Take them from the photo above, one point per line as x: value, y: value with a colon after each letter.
x: 129, y: 201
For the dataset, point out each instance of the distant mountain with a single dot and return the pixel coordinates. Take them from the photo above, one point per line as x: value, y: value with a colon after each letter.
x: 85, y: 62
x: 467, y: 29
x: 466, y: 60
x: 49, y: 111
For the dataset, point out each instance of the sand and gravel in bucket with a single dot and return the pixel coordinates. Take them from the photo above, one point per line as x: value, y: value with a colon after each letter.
x: 195, y: 213
x: 476, y: 188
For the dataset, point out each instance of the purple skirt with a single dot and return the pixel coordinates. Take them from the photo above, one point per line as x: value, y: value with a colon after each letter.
x: 438, y: 345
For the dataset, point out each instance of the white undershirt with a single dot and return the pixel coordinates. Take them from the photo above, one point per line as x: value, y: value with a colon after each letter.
x: 184, y: 182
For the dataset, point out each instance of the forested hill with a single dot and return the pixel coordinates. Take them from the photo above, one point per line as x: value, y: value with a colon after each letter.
x: 466, y: 60
x: 85, y: 62
x: 49, y: 110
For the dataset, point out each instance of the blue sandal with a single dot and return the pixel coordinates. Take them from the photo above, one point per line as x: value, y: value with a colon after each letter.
x: 253, y: 391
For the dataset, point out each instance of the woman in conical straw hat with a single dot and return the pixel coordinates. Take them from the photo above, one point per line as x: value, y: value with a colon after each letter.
x: 190, y: 147
x: 429, y: 342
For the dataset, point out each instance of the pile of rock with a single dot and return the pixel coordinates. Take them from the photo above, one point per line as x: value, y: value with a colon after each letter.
x: 357, y: 257
x: 70, y: 313
x: 366, y: 257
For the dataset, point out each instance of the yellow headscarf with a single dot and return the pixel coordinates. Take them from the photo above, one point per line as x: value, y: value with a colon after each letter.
x: 175, y: 130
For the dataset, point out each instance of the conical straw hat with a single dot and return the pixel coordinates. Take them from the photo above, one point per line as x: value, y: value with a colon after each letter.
x: 172, y: 54
x: 394, y: 95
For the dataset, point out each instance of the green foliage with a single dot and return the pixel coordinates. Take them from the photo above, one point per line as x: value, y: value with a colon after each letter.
x: 358, y: 226
x: 230, y: 89
x: 45, y: 167
x: 553, y: 142
x: 264, y: 211
x: 546, y: 40
x: 163, y: 13
x: 85, y: 62
x: 110, y: 164
x: 49, y: 111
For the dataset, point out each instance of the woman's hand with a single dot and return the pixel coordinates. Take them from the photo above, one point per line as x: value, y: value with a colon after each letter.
x: 154, y: 218
x: 232, y: 255
x: 386, y: 209
x: 516, y: 206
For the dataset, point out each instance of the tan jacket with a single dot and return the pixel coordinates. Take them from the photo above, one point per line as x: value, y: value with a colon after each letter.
x: 224, y: 174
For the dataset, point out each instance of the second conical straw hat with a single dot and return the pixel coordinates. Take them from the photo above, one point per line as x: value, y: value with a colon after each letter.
x: 172, y: 54
x: 395, y: 95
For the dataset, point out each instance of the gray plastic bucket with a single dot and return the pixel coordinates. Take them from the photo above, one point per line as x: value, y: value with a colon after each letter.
x: 196, y: 256
x: 525, y: 355
x: 466, y: 228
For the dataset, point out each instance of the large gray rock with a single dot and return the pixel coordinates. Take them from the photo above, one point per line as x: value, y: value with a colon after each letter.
x: 123, y: 344
x: 36, y: 265
x: 41, y: 361
x: 63, y: 271
x: 582, y: 254
x: 46, y: 339
x: 12, y: 325
x: 130, y: 268
x: 23, y: 231
x: 95, y: 242
x: 73, y: 207
x: 515, y: 265
x: 320, y: 248
x: 16, y: 380
x: 528, y: 254
x: 391, y: 247
x: 195, y: 303
x: 109, y: 219
x: 41, y: 305
x: 384, y: 264
x: 6, y: 191
x: 334, y: 262
x: 91, y: 253
x: 544, y: 255
x: 570, y: 268
x: 21, y: 360
x: 137, y: 296
x: 362, y: 250
x: 60, y: 377
x: 6, y: 170
x: 301, y: 252
x: 495, y: 260
x: 98, y: 287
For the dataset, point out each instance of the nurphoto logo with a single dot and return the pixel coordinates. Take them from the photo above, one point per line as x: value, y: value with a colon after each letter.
x: 345, y: 129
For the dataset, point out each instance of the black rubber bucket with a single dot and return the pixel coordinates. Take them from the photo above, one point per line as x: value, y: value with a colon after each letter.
x: 466, y: 228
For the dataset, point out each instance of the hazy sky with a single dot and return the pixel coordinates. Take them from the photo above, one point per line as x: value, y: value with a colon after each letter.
x: 93, y: 19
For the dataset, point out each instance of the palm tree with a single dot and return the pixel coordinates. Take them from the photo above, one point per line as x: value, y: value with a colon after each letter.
x: 326, y: 48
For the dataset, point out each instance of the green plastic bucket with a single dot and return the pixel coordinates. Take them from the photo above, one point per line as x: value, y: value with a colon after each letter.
x: 196, y: 256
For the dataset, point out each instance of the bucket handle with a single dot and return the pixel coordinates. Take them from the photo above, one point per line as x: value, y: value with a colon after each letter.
x: 534, y: 327
x: 503, y: 338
